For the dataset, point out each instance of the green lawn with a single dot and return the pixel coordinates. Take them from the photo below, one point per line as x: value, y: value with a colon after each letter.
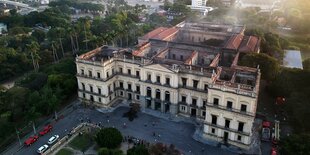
x: 82, y: 142
x: 64, y: 152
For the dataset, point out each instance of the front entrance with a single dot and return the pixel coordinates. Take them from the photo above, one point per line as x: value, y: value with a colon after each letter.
x: 193, y: 112
x: 148, y: 103
x: 225, y: 137
x: 129, y: 96
x: 157, y: 105
x: 167, y: 107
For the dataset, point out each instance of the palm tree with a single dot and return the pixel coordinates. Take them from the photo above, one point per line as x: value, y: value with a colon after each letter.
x: 33, y: 48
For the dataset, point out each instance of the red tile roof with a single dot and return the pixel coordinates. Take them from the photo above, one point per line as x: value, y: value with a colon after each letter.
x: 234, y: 42
x: 249, y: 44
x: 166, y: 34
x: 154, y: 33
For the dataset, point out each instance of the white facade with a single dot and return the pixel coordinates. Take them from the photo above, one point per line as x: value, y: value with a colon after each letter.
x: 228, y: 113
x: 199, y: 3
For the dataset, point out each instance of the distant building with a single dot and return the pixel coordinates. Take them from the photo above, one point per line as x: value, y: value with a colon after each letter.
x: 262, y: 4
x: 44, y: 2
x: 199, y: 6
x: 292, y: 59
x: 174, y: 71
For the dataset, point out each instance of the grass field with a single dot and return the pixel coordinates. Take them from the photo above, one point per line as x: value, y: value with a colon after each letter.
x: 81, y: 142
x: 64, y: 152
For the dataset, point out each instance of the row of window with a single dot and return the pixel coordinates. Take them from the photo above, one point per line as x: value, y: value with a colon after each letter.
x: 157, y: 94
x: 239, y: 137
x: 227, y: 123
x: 194, y: 101
x: 229, y: 105
x: 149, y: 78
x: 195, y: 84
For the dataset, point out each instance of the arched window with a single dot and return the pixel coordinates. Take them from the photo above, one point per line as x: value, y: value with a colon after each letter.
x: 148, y: 92
x: 157, y: 93
x: 167, y: 96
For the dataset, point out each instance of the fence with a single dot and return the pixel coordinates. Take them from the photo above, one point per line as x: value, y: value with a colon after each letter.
x: 73, y: 133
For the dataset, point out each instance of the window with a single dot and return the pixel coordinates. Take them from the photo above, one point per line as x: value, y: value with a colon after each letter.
x: 157, y: 93
x: 184, y: 80
x: 173, y: 56
x: 243, y: 108
x: 216, y: 101
x: 239, y: 138
x: 181, y: 57
x: 138, y: 89
x: 109, y: 89
x: 82, y: 71
x: 121, y: 85
x: 158, y: 79
x: 108, y: 74
x: 121, y: 93
x: 129, y: 86
x: 112, y: 71
x: 167, y: 81
x: 194, y: 102
x: 91, y: 88
x: 229, y: 105
x: 213, y: 130
x: 214, y: 119
x: 113, y: 85
x: 149, y: 77
x: 90, y: 73
x: 138, y: 97
x: 110, y: 98
x: 83, y: 86
x: 183, y: 108
x: 240, y: 126
x: 129, y: 71
x: 203, y: 113
x: 121, y: 70
x: 195, y: 83
x: 204, y: 103
x: 138, y: 73
x: 99, y: 91
x: 149, y: 92
x: 206, y: 87
x: 227, y: 122
x: 184, y: 99
x: 99, y: 99
x: 83, y: 95
x: 167, y: 96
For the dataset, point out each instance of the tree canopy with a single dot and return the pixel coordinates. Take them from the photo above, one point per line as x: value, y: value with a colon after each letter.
x: 269, y: 66
x: 109, y: 137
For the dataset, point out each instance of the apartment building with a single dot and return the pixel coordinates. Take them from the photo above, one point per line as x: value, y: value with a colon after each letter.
x: 176, y: 77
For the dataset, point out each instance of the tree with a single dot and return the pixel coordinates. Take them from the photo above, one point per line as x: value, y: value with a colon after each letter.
x: 33, y: 48
x: 109, y: 137
x: 269, y: 66
x: 138, y: 150
x: 106, y: 151
x: 295, y: 144
x: 306, y: 64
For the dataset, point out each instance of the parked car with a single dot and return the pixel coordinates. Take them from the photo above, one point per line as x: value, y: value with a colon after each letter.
x: 45, y: 130
x: 31, y: 140
x: 42, y: 149
x: 266, y: 131
x: 53, y: 139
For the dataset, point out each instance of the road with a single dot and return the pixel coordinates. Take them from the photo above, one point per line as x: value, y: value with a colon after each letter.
x: 177, y: 133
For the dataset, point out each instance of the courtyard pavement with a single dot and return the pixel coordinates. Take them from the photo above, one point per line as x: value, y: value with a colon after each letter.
x: 168, y: 132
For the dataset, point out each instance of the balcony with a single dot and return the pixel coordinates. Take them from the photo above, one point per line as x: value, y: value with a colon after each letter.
x: 193, y: 89
x: 238, y: 111
x: 228, y: 129
x: 92, y: 93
